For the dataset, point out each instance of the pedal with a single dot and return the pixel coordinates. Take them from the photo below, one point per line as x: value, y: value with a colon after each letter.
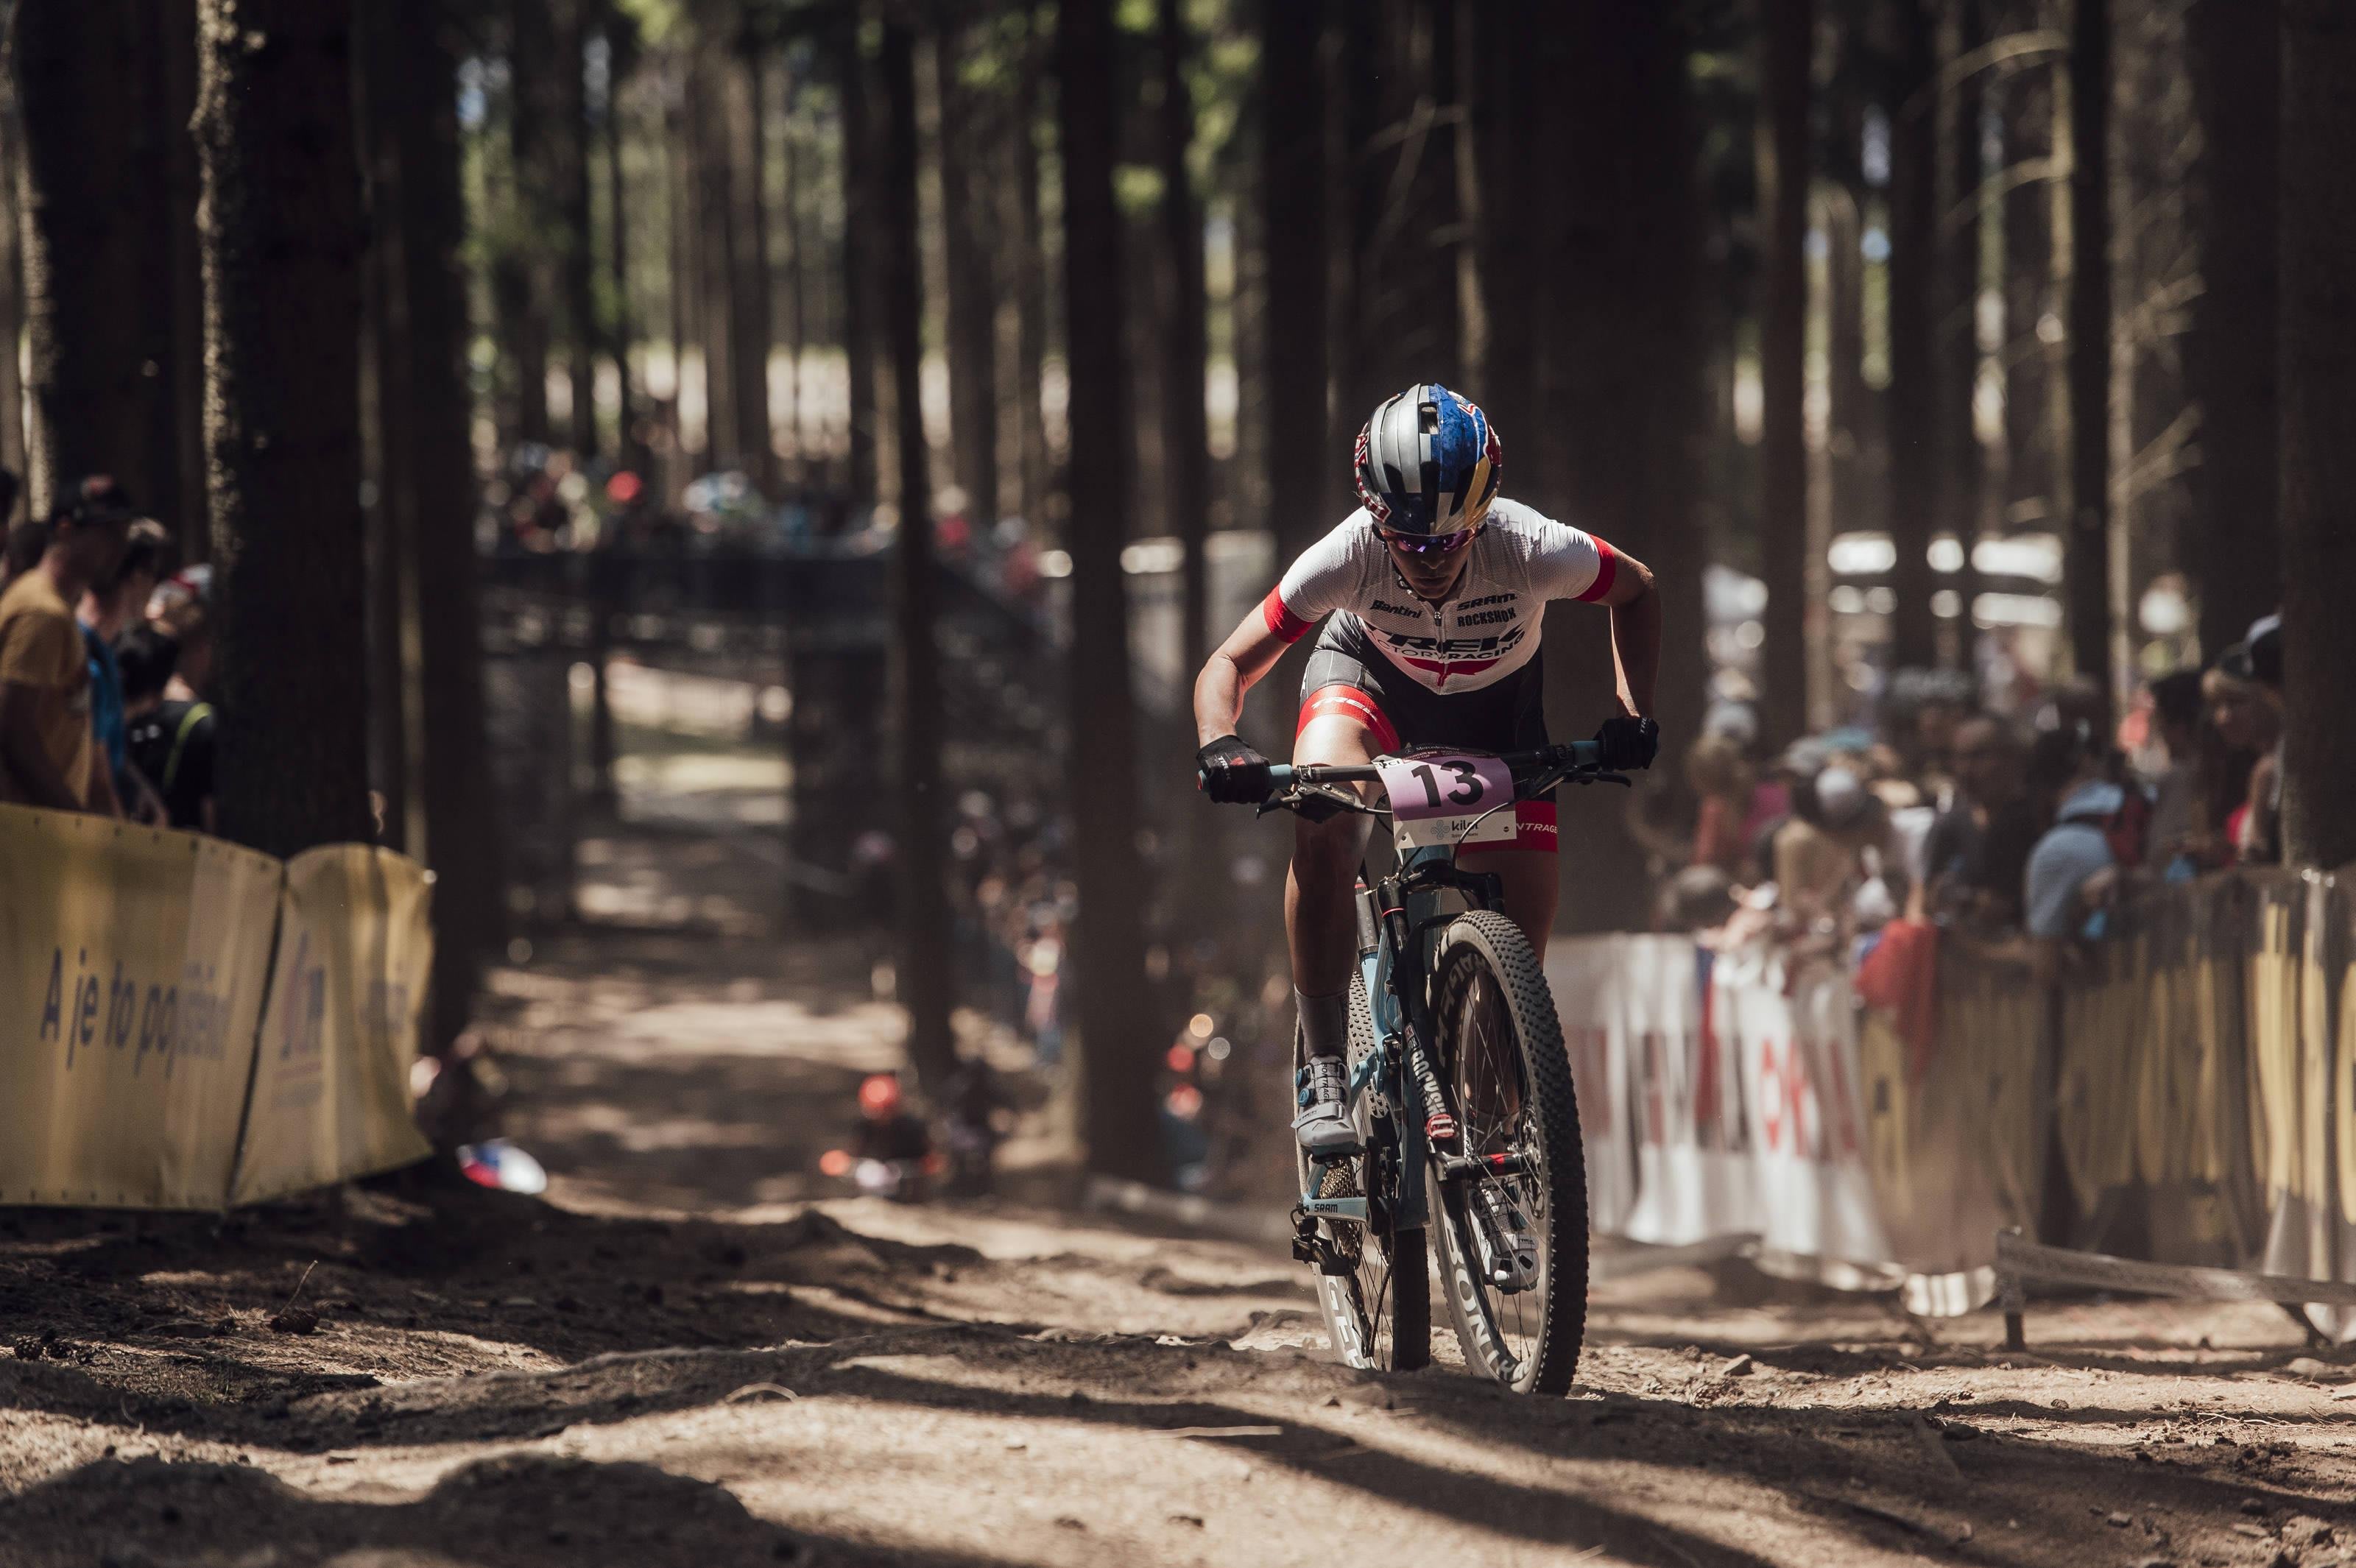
x: 1500, y: 1235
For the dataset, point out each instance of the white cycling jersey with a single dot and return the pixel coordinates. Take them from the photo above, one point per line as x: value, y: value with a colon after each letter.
x: 1488, y: 628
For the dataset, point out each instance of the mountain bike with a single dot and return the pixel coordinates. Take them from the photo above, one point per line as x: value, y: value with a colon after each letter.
x: 1459, y: 1086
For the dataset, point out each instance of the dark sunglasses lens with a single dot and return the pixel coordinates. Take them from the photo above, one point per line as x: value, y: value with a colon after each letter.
x: 1441, y: 544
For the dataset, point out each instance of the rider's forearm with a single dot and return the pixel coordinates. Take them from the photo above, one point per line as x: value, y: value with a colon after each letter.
x: 1636, y: 649
x: 1218, y: 699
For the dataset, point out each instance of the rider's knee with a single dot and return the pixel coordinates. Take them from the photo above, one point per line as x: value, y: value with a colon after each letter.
x: 1325, y: 851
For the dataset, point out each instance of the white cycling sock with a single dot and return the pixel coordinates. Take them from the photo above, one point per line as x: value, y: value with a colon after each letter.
x: 1324, y: 1022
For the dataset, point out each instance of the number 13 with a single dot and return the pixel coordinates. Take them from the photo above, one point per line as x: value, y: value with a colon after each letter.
x: 1468, y: 789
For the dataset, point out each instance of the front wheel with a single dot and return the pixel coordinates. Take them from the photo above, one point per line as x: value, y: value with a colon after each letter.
x: 1378, y: 1313
x: 1512, y: 1216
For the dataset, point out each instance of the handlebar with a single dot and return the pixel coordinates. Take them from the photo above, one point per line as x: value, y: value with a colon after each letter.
x: 1571, y: 757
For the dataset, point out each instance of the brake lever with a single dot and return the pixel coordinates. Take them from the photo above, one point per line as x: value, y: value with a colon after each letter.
x: 1329, y: 801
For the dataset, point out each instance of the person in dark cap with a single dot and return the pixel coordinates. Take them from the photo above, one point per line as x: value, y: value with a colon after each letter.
x: 48, y: 755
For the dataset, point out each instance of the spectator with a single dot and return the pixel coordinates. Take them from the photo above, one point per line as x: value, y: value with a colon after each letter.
x: 48, y: 755
x: 180, y: 608
x: 1723, y: 780
x: 2070, y: 871
x: 27, y: 543
x: 1831, y: 849
x: 105, y: 607
x: 1976, y: 855
x: 172, y: 740
x: 2179, y: 845
x: 2246, y: 708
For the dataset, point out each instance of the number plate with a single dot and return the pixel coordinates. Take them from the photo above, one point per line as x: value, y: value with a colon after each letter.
x: 1436, y: 799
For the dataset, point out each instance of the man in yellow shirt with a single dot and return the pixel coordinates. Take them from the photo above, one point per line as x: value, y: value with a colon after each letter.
x: 47, y: 755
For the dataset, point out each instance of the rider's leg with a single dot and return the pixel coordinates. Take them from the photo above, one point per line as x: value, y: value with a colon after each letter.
x: 1529, y: 884
x: 1320, y: 924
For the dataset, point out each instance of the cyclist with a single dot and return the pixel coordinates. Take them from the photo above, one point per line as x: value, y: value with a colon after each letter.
x: 1435, y: 589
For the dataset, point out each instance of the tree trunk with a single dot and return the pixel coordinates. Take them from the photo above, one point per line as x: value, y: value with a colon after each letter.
x: 965, y: 137
x: 282, y: 252
x: 2231, y: 354
x: 2028, y: 361
x: 794, y: 320
x: 387, y: 404
x: 751, y: 326
x: 185, y: 284
x: 2086, y: 560
x: 11, y: 285
x: 461, y: 839
x: 677, y: 208
x: 1293, y: 197
x: 1504, y: 105
x: 621, y: 329
x: 1625, y: 298
x: 533, y: 99
x: 2319, y: 430
x: 859, y: 205
x: 1787, y: 29
x: 89, y: 195
x: 712, y: 244
x: 576, y: 262
x: 924, y: 956
x: 1917, y: 502
x: 1962, y: 483
x: 1185, y: 440
x: 1031, y: 274
x: 1116, y: 1024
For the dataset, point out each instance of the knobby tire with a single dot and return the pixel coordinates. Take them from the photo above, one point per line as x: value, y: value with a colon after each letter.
x: 1485, y: 945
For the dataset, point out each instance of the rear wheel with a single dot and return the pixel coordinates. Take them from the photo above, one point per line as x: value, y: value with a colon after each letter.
x: 1379, y: 1313
x: 1513, y: 1228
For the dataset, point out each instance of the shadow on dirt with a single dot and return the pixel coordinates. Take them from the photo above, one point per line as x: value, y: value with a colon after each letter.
x: 515, y: 1512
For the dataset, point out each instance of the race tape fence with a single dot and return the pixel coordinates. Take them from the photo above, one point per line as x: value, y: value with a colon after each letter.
x: 185, y: 1024
x: 2184, y: 1096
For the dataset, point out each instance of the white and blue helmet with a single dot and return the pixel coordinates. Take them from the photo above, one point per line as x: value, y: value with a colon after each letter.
x: 1428, y: 461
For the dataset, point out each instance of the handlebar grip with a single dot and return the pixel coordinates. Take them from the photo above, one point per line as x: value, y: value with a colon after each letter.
x: 1279, y: 775
x: 1581, y: 753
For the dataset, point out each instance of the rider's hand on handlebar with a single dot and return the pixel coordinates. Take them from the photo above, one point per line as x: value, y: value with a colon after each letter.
x: 1629, y: 742
x: 1231, y: 772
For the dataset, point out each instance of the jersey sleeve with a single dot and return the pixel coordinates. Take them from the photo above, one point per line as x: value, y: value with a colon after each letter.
x: 1570, y: 563
x: 1322, y: 580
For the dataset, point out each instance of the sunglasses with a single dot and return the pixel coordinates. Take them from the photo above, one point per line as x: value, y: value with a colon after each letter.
x: 1428, y: 544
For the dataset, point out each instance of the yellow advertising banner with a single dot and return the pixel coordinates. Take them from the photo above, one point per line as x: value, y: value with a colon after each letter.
x: 331, y: 1097
x: 132, y: 966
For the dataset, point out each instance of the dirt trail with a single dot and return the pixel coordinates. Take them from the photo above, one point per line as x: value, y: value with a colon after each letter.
x: 680, y: 1359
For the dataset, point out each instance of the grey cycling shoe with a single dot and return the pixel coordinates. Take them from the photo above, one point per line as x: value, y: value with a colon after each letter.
x: 1323, y: 1126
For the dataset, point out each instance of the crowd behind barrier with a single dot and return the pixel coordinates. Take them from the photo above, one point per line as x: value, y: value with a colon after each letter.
x: 2182, y: 1092
x: 191, y: 1025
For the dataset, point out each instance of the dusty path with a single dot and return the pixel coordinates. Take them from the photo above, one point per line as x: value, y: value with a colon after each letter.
x: 681, y: 1360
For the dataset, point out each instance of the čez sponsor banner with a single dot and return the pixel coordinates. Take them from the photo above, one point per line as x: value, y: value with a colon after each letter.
x: 131, y: 970
x: 331, y: 1097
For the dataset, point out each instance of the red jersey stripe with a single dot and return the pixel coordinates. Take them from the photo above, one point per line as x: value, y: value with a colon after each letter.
x: 1607, y: 568
x: 1281, y: 620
